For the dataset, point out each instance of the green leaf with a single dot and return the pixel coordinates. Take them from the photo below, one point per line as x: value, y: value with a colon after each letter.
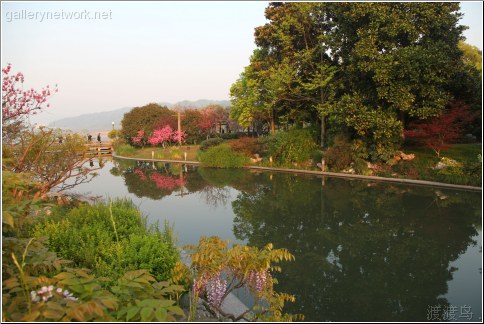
x: 154, y: 303
x: 146, y: 314
x: 132, y: 311
x: 160, y: 314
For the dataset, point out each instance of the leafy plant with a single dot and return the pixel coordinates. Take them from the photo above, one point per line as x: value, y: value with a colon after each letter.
x: 110, y: 239
x: 206, y: 144
x: 219, y: 270
x: 295, y: 145
x: 222, y: 156
x: 125, y: 150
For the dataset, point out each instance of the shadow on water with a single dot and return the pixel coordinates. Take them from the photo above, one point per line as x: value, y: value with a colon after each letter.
x: 365, y: 251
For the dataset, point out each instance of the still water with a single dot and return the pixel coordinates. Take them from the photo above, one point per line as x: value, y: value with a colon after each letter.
x: 365, y: 251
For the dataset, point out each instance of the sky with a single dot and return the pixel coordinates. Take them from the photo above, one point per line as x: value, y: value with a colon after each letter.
x: 109, y: 55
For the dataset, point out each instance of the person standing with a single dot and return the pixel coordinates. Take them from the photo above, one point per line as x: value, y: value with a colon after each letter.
x: 99, y: 137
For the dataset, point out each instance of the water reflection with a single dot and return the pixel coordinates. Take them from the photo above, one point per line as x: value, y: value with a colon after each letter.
x: 364, y: 251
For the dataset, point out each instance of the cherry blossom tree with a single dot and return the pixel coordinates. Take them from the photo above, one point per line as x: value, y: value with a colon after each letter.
x: 161, y: 136
x: 18, y: 103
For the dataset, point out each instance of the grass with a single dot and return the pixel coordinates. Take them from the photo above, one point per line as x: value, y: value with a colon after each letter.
x: 169, y: 153
x: 425, y: 159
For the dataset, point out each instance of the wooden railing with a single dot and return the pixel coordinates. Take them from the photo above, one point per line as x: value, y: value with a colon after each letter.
x: 103, y: 148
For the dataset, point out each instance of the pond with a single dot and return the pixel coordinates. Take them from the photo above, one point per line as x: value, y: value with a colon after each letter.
x: 365, y: 251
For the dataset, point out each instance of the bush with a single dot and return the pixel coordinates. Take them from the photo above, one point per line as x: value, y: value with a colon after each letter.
x: 125, y: 150
x: 222, y: 156
x: 339, y: 156
x: 246, y: 145
x: 361, y: 167
x: 227, y: 136
x: 108, y: 240
x: 295, y: 145
x: 205, y: 145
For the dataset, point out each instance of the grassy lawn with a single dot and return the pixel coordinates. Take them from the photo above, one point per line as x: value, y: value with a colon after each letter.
x: 425, y: 159
x: 169, y: 153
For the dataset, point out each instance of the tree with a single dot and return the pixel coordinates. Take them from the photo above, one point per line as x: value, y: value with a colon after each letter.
x: 51, y: 163
x: 211, y: 117
x: 438, y: 132
x: 18, y: 103
x: 471, y: 55
x: 366, y: 66
x: 189, y: 122
x: 145, y: 118
x: 161, y: 136
x: 38, y: 152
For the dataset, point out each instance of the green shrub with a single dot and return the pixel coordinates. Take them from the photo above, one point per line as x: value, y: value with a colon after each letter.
x: 295, y: 145
x: 222, y: 156
x: 205, y: 145
x: 361, y: 167
x: 125, y: 150
x: 317, y: 156
x: 109, y: 240
x: 339, y: 156
x: 227, y: 136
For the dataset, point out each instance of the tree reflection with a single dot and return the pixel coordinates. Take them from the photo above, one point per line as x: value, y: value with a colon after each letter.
x: 364, y: 251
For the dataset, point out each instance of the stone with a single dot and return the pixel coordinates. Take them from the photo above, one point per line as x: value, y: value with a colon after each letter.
x: 407, y: 157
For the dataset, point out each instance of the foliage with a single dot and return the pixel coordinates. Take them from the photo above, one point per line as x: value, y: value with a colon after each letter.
x: 125, y: 150
x: 17, y: 102
x: 295, y: 145
x: 219, y: 270
x: 206, y: 144
x: 361, y: 167
x: 114, y: 133
x: 439, y: 132
x: 145, y: 118
x: 222, y: 156
x: 49, y: 160
x: 246, y: 145
x: 76, y: 295
x: 471, y: 55
x: 166, y: 135
x: 161, y: 136
x: 211, y: 117
x: 18, y: 202
x: 227, y: 136
x: 338, y: 156
x: 368, y: 66
x: 110, y: 239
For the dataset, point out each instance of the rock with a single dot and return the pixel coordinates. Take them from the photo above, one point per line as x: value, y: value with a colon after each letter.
x: 407, y: 157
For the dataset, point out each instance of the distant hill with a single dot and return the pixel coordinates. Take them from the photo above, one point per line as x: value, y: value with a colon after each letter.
x: 102, y: 121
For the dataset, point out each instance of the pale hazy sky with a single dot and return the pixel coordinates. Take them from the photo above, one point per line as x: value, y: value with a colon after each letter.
x: 140, y: 52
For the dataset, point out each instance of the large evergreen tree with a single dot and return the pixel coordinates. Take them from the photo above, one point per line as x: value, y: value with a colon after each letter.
x: 369, y: 66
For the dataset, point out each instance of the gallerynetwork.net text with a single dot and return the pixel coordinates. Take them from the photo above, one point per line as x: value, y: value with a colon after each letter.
x: 57, y: 15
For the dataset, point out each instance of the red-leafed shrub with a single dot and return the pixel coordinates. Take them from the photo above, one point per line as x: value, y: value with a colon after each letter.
x: 437, y: 133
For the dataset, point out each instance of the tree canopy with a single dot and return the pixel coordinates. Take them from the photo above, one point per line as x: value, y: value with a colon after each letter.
x: 365, y: 67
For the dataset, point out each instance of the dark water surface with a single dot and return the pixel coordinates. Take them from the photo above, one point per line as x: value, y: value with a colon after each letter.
x: 365, y: 251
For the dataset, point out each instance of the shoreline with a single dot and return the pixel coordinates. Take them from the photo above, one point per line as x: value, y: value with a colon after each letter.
x: 325, y: 173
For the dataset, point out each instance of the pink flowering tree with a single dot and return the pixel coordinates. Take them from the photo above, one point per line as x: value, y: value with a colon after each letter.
x: 17, y: 102
x: 218, y: 271
x: 166, y: 135
x: 161, y: 136
x: 179, y: 137
x: 138, y: 139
